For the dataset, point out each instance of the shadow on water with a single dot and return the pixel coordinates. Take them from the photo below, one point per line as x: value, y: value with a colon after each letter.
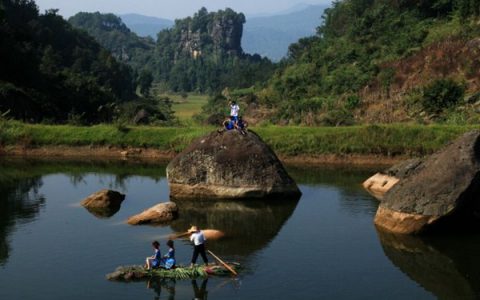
x: 447, y: 266
x: 255, y: 221
x: 20, y: 202
x: 343, y: 176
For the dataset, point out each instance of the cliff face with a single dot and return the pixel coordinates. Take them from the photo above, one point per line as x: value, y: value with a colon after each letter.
x: 216, y: 32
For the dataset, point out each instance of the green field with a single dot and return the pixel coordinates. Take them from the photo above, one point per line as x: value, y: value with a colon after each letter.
x: 388, y: 140
x: 185, y: 108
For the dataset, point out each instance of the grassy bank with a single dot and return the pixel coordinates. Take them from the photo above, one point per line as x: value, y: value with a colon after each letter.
x: 388, y: 140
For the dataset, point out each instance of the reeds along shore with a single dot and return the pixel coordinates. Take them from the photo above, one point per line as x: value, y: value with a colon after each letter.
x: 286, y: 141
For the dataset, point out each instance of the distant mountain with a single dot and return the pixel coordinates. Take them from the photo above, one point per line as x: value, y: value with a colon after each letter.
x: 145, y: 25
x: 270, y: 36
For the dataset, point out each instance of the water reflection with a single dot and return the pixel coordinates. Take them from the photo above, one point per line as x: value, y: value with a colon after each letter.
x: 166, y: 288
x: 162, y: 284
x: 257, y: 222
x: 103, y: 213
x: 20, y: 202
x: 447, y: 266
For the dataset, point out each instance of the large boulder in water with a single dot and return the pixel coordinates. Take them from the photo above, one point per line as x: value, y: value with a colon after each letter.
x: 443, y: 190
x: 229, y: 165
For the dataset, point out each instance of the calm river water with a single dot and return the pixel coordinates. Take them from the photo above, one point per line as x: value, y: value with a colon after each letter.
x: 323, y: 246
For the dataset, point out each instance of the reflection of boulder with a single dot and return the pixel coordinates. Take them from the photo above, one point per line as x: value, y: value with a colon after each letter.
x: 443, y: 190
x: 248, y: 226
x: 158, y: 214
x: 447, y: 267
x: 104, y: 203
x: 228, y: 165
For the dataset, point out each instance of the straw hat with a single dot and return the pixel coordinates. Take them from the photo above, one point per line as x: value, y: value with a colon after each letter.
x: 193, y: 229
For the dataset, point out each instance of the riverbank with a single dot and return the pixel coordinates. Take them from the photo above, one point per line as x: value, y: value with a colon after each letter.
x: 385, y: 144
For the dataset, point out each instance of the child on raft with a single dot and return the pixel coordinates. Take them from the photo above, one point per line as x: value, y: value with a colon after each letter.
x: 169, y: 258
x: 154, y: 260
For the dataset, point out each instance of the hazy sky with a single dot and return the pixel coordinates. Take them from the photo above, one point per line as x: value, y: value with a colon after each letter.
x: 171, y: 9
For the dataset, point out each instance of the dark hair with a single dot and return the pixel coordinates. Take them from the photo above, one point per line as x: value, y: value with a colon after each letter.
x: 170, y: 243
x: 156, y: 244
x: 234, y: 102
x: 232, y: 118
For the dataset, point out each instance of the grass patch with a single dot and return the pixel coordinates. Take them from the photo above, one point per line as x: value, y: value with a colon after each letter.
x: 185, y: 108
x: 390, y: 140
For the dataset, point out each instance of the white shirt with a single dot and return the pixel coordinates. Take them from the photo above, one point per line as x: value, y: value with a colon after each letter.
x: 197, y: 238
x: 234, y: 109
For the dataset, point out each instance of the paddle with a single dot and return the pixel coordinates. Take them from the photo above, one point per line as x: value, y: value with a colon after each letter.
x: 223, y: 263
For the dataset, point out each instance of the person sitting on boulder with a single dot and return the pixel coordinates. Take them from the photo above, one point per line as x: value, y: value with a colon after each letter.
x: 241, y: 126
x: 154, y: 260
x: 229, y: 124
x: 169, y: 258
x: 198, y: 239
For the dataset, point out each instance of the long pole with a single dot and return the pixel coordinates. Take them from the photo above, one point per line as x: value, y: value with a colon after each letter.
x: 223, y: 263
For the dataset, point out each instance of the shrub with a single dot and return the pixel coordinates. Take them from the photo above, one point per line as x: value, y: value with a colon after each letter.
x: 442, y: 94
x: 352, y: 102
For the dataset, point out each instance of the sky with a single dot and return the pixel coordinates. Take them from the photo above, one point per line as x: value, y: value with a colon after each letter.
x: 171, y: 9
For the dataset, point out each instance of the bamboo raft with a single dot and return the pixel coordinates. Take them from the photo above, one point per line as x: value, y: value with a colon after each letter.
x: 131, y: 273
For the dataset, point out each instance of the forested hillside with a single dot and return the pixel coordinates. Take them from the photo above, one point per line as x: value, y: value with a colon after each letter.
x: 202, y: 53
x: 113, y: 34
x: 382, y: 61
x: 51, y: 71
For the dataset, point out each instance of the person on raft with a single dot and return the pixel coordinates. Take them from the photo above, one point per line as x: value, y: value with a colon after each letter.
x: 169, y: 258
x: 154, y: 260
x: 198, y: 239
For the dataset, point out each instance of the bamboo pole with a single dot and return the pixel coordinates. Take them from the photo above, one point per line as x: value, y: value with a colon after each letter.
x: 223, y: 263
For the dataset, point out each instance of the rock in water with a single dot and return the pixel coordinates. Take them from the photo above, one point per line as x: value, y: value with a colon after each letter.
x: 160, y: 213
x: 380, y: 183
x: 443, y: 190
x: 229, y: 165
x: 103, y: 199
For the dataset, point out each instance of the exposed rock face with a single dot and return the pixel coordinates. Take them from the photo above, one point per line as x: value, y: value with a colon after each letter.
x: 229, y: 165
x: 380, y: 183
x: 221, y: 31
x: 443, y: 190
x: 160, y: 213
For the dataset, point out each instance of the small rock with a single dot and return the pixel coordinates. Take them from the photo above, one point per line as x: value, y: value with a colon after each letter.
x: 160, y: 213
x: 104, y: 199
